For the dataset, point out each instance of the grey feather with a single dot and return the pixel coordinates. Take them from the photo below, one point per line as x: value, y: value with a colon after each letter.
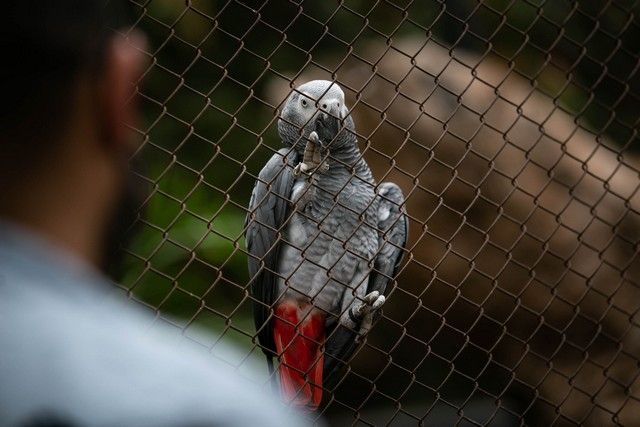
x: 393, y: 230
x: 329, y: 238
x: 269, y: 209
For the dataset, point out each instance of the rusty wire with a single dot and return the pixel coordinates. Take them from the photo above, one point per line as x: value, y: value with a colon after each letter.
x: 513, y: 142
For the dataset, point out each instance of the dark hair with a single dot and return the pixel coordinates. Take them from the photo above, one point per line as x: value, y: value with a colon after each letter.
x: 46, y: 45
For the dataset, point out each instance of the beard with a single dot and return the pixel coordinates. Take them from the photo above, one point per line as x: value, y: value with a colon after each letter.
x: 123, y: 226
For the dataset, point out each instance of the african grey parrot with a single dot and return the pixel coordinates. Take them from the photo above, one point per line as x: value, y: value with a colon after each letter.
x: 323, y: 242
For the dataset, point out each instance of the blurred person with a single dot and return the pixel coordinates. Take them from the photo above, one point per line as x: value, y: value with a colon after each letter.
x: 70, y: 354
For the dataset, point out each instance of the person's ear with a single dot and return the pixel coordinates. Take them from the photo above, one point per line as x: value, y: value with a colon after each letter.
x: 123, y: 65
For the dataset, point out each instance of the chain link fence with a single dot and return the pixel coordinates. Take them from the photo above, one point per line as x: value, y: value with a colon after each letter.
x: 512, y: 128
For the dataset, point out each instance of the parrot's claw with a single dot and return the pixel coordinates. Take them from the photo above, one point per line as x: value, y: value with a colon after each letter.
x: 371, y: 302
x: 313, y: 136
x: 301, y: 168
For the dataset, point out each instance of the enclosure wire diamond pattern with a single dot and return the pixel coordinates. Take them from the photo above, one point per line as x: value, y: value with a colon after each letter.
x: 509, y: 125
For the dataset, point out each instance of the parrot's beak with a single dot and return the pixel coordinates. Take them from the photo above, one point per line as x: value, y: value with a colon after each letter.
x: 336, y: 111
x: 332, y: 107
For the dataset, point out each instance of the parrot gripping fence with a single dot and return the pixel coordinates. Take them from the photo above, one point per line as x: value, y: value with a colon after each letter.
x: 512, y: 128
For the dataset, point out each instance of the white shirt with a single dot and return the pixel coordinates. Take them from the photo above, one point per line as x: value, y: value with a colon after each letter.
x: 69, y: 351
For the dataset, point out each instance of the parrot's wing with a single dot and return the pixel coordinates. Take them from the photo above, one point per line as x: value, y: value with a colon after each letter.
x: 393, y: 226
x: 269, y: 209
x: 393, y: 229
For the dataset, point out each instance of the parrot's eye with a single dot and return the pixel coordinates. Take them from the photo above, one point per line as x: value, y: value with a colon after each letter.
x: 304, y: 102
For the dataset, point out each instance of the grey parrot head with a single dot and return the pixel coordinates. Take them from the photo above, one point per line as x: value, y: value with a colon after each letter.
x: 308, y: 103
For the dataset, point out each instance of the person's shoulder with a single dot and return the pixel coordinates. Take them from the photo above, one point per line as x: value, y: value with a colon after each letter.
x: 192, y: 383
x: 99, y: 361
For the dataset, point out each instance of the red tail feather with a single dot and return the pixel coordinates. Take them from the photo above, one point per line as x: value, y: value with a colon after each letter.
x: 299, y: 336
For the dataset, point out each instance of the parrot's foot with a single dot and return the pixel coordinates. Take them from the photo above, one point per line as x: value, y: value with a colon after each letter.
x: 312, y: 158
x: 301, y: 168
x: 371, y: 302
x: 324, y: 167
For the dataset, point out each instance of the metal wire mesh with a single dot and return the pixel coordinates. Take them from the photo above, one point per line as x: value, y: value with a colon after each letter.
x: 509, y: 125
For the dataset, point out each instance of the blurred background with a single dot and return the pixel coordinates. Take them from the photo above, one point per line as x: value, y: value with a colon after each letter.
x: 512, y: 127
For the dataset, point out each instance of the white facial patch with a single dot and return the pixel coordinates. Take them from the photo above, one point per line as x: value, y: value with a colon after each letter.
x: 320, y: 95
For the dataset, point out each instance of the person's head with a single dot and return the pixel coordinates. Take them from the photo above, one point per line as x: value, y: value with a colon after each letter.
x: 66, y: 85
